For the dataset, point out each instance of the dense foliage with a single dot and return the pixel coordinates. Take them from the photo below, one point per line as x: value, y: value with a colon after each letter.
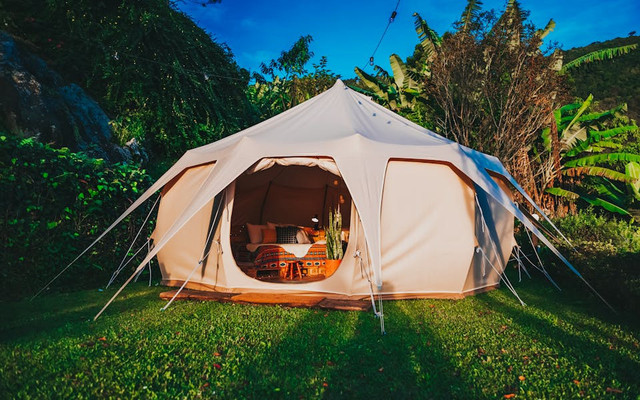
x: 561, y: 345
x: 607, y: 253
x: 54, y: 204
x: 285, y: 82
x: 586, y: 155
x: 613, y: 82
x: 160, y: 77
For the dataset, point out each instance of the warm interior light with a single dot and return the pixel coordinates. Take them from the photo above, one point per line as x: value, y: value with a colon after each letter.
x: 335, y: 183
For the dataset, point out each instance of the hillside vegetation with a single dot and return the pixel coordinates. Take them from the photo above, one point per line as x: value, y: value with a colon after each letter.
x: 612, y: 82
x: 160, y: 78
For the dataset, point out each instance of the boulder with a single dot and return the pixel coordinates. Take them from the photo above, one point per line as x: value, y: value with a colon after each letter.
x: 36, y: 102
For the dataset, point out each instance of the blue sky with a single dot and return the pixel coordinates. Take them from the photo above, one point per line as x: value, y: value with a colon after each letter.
x: 347, y: 32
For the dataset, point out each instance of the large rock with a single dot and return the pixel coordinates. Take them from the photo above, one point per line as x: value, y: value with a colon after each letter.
x: 36, y: 102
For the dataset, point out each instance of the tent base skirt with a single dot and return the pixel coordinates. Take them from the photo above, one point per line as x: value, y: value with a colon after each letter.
x: 302, y: 299
x: 287, y: 300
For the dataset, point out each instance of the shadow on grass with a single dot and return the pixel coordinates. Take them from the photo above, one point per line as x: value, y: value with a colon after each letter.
x: 343, y: 355
x: 553, y: 331
x: 46, y: 314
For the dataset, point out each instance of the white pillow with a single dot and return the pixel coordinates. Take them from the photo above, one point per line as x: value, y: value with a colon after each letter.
x: 302, y: 237
x: 255, y: 232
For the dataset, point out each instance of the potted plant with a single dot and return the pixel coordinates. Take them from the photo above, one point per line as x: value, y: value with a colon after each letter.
x: 333, y: 233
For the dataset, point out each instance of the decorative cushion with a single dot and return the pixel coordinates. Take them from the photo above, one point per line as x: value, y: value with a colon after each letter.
x: 273, y: 225
x: 269, y: 236
x: 302, y: 237
x: 286, y: 234
x: 255, y: 232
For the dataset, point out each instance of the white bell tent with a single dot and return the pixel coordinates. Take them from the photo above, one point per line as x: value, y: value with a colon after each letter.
x: 426, y: 216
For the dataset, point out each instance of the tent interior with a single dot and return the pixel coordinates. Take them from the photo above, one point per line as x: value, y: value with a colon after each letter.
x: 300, y: 195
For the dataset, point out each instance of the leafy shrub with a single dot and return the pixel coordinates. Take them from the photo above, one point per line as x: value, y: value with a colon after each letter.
x: 588, y: 228
x: 54, y: 204
x: 607, y: 254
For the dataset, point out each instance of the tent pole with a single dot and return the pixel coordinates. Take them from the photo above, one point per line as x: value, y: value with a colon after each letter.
x: 264, y: 202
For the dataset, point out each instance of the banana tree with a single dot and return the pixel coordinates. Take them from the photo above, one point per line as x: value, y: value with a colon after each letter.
x: 585, y: 159
x: 401, y: 90
x: 598, y: 55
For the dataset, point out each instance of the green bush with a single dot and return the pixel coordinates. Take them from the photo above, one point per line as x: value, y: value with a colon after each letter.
x: 54, y: 204
x: 590, y: 229
x: 607, y: 254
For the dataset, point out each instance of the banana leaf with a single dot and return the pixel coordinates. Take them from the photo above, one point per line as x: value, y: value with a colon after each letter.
x: 609, y: 133
x: 373, y: 83
x: 602, y: 158
x: 593, y: 117
x: 598, y: 55
x: 594, y: 147
x: 556, y: 191
x: 429, y: 39
x: 546, y: 138
x: 613, y: 193
x: 471, y: 12
x: 583, y: 107
x: 633, y: 170
x: 597, y: 201
x: 377, y: 98
x: 399, y: 71
x: 598, y: 171
x: 570, y: 107
x: 541, y: 33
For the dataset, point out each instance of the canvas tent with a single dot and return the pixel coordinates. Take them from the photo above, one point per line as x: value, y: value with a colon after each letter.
x: 427, y: 216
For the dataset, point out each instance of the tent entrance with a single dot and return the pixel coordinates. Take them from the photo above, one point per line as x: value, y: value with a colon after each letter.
x: 281, y: 207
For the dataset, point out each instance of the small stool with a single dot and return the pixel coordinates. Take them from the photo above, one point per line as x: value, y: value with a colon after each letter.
x: 293, y: 267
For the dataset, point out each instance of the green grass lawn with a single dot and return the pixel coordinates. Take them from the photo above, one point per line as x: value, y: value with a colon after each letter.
x: 562, y: 345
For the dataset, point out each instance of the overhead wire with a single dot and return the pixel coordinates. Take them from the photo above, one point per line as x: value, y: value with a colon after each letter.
x: 392, y: 18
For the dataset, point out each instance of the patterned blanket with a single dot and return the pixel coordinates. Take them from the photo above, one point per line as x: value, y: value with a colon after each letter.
x: 276, y: 257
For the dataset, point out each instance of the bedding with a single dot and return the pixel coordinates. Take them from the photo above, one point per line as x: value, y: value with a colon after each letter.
x: 272, y: 256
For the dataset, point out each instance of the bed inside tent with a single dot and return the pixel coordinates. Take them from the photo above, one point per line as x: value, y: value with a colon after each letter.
x: 280, y: 210
x: 430, y: 219
x: 272, y: 218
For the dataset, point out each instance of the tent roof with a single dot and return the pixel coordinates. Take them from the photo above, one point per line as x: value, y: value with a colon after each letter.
x: 339, y: 115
